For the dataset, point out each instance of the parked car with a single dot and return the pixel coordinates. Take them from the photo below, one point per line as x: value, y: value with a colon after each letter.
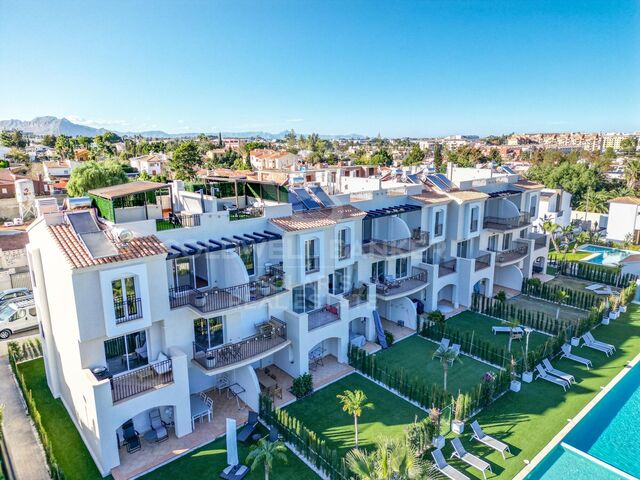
x: 17, y: 316
x: 13, y: 294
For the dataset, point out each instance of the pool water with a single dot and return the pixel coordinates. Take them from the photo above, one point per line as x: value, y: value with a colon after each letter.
x: 604, y: 255
x: 609, y: 433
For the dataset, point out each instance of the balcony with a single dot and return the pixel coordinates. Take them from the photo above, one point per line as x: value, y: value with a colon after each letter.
x: 312, y: 264
x: 140, y: 380
x: 245, y: 213
x: 482, y: 262
x: 271, y: 334
x: 507, y: 223
x: 357, y: 296
x: 507, y: 257
x: 385, y: 248
x: 447, y: 267
x: 344, y: 252
x: 178, y: 220
x: 540, y: 240
x: 214, y: 299
x: 127, y: 309
x: 323, y: 316
x: 391, y: 288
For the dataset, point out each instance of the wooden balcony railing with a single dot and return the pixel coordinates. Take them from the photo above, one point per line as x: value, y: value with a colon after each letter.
x: 127, y: 309
x: 133, y: 382
x: 230, y: 353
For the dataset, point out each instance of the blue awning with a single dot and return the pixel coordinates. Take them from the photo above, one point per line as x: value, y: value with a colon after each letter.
x: 384, y: 212
x: 211, y: 245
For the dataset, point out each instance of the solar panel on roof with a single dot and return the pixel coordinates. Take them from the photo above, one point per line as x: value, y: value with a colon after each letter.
x: 437, y: 182
x: 413, y: 178
x: 82, y: 222
x: 98, y: 245
x: 296, y: 203
x: 321, y: 195
x: 445, y: 180
x: 306, y: 199
x: 508, y: 170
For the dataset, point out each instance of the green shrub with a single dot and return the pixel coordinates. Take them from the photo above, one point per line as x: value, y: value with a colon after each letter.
x: 302, y: 386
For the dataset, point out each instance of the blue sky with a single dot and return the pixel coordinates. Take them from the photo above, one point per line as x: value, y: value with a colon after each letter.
x: 331, y: 66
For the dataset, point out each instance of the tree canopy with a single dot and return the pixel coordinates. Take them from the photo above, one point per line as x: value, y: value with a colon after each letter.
x: 13, y: 138
x: 92, y: 175
x: 415, y: 157
x: 185, y: 160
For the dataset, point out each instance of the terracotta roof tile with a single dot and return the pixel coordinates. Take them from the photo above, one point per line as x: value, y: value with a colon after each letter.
x: 626, y: 200
x: 78, y: 256
x: 321, y: 218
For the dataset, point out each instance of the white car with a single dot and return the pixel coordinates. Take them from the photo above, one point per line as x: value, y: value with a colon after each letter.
x: 17, y: 316
x: 13, y: 295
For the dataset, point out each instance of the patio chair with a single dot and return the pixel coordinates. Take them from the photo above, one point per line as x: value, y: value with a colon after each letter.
x: 273, y: 436
x: 131, y: 437
x: 588, y: 341
x: 589, y: 335
x: 566, y: 353
x: 488, y: 440
x: 277, y: 391
x: 245, y: 434
x: 444, y: 468
x: 223, y: 382
x: 235, y: 472
x: 468, y: 458
x: 550, y: 378
x: 158, y: 425
x: 546, y: 364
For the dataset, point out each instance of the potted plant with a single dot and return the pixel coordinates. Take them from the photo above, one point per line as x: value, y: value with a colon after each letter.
x: 515, y: 383
x: 575, y: 341
x: 200, y: 299
x: 458, y: 415
x: 434, y: 417
x: 264, y: 289
x: 278, y: 282
x: 614, y: 301
x: 527, y: 376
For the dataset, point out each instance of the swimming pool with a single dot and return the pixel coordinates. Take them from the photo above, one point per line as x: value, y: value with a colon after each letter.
x: 604, y: 255
x: 604, y: 444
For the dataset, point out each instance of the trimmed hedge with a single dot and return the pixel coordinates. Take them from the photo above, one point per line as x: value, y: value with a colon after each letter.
x: 595, y: 273
x: 577, y: 299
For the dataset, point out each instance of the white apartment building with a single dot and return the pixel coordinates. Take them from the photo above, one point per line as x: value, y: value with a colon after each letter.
x: 265, y: 159
x: 624, y: 219
x: 152, y: 164
x: 555, y: 205
x: 157, y: 294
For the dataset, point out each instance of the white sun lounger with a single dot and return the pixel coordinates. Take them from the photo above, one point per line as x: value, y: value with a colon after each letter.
x: 546, y: 364
x: 594, y: 286
x: 488, y: 440
x: 550, y: 378
x: 589, y: 335
x: 501, y: 329
x: 468, y: 458
x: 595, y: 346
x: 444, y: 468
x: 603, y: 291
x: 566, y: 353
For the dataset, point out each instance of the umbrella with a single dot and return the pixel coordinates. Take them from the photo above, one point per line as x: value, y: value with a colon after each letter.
x: 232, y: 444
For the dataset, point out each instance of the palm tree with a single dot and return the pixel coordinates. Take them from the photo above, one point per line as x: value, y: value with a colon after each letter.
x: 561, y: 297
x: 363, y: 465
x: 549, y: 227
x: 566, y: 233
x: 266, y: 453
x: 581, y: 239
x: 353, y: 402
x: 391, y: 460
x: 632, y: 172
x: 447, y: 356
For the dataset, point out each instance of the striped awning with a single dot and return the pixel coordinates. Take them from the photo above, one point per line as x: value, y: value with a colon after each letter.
x: 211, y: 245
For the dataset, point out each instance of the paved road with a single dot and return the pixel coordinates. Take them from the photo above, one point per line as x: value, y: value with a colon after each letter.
x: 24, y: 450
x: 33, y: 333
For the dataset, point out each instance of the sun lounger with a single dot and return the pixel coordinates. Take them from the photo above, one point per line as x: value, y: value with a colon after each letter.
x: 594, y: 286
x: 596, y: 346
x: 502, y: 329
x: 566, y: 353
x: 488, y: 440
x: 444, y: 344
x: 550, y: 378
x: 455, y: 348
x: 444, y: 468
x: 603, y: 291
x: 468, y: 458
x: 249, y: 428
x: 589, y: 335
x: 546, y: 364
x: 235, y: 472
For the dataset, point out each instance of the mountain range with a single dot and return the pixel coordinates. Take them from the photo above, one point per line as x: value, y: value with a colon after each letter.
x: 61, y: 126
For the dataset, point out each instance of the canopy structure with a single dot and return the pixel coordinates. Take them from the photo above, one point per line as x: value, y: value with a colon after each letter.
x: 385, y: 212
x: 211, y: 245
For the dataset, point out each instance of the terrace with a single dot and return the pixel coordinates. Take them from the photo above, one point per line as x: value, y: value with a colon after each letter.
x: 507, y: 257
x: 391, y: 288
x: 386, y: 248
x: 506, y: 223
x: 323, y: 316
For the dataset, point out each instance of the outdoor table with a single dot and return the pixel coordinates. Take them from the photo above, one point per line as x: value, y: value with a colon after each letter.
x: 236, y: 389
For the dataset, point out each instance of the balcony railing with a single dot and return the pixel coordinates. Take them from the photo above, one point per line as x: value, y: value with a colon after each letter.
x: 215, y: 299
x: 540, y: 240
x: 357, y: 296
x: 323, y: 316
x: 127, y: 309
x: 140, y: 380
x: 178, y: 220
x: 230, y: 353
x: 507, y: 223
x: 312, y: 264
x: 483, y: 261
x: 344, y: 251
x: 511, y: 255
x: 447, y: 267
x: 391, y: 286
x: 396, y: 247
x: 244, y: 213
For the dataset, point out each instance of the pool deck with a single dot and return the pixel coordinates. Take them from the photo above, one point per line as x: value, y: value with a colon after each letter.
x: 574, y: 421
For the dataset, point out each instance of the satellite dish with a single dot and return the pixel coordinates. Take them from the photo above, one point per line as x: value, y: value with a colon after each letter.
x: 125, y: 235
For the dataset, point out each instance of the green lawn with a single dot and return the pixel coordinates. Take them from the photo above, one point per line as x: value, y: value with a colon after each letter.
x: 415, y: 356
x: 207, y: 462
x: 572, y: 283
x: 469, y: 321
x: 570, y: 257
x: 68, y: 447
x: 528, y: 420
x: 567, y: 314
x: 323, y: 414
